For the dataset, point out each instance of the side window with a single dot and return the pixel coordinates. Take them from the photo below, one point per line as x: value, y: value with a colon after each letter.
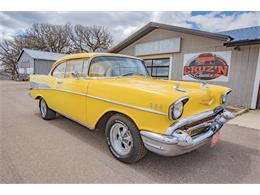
x: 59, y: 71
x: 98, y: 67
x: 74, y: 68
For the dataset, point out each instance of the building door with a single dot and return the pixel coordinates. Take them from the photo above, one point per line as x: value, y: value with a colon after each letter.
x: 158, y: 68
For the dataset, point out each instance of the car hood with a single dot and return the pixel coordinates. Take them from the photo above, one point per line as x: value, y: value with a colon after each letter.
x: 168, y: 88
x: 147, y: 90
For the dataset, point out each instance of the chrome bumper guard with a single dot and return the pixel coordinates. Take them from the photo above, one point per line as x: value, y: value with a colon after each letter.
x: 178, y: 141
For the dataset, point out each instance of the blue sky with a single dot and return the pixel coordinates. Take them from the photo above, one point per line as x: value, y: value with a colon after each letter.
x: 122, y: 24
x: 194, y: 13
x: 226, y: 13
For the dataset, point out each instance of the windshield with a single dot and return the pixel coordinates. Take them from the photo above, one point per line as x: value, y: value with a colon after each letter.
x: 110, y: 66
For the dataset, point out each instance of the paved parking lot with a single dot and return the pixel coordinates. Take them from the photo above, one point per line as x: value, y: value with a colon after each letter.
x: 62, y: 151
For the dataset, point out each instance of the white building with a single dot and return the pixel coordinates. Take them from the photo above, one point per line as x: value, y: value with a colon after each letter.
x: 36, y: 62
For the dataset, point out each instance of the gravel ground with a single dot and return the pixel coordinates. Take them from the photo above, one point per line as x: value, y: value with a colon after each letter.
x: 62, y: 151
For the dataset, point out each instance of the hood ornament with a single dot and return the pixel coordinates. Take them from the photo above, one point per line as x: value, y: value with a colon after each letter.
x: 204, y: 84
x: 177, y: 87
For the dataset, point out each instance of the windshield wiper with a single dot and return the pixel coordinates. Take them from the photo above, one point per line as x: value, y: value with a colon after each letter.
x: 131, y: 73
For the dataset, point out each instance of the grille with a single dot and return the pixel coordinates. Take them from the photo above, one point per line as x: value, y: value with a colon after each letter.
x: 198, y: 127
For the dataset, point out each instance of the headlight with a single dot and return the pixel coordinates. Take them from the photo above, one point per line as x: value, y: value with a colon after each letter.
x: 176, y: 109
x: 224, y: 97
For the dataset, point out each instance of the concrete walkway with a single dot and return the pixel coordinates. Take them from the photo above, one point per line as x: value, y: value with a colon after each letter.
x: 250, y: 119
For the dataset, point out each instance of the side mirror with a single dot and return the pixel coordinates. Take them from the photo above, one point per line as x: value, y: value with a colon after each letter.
x: 76, y: 75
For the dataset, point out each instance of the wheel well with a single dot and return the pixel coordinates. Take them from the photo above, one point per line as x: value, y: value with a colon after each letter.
x: 101, y: 124
x: 38, y: 97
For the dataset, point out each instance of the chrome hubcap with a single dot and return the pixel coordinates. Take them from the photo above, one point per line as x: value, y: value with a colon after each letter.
x: 43, y: 108
x: 121, y: 139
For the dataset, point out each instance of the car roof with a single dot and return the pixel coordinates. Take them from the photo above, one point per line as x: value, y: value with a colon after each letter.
x: 89, y: 55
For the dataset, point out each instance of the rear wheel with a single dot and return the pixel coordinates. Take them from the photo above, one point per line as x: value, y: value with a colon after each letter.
x: 45, y: 111
x: 124, y: 140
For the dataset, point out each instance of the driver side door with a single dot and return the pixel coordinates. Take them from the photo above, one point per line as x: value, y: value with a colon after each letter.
x: 73, y: 90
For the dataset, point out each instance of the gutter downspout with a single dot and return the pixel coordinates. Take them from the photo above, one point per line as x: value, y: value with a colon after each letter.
x: 256, y: 83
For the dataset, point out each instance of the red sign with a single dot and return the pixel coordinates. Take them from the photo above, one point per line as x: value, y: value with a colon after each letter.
x: 206, y: 66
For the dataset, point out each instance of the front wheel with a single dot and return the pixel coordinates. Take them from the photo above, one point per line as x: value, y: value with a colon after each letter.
x: 45, y: 111
x: 124, y: 140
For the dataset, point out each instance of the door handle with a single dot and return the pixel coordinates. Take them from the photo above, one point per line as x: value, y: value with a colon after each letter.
x: 59, y: 82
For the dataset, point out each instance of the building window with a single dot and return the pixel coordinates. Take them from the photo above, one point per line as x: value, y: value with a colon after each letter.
x: 158, y: 68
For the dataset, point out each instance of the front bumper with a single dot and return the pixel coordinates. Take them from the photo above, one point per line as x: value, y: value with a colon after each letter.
x: 178, y: 141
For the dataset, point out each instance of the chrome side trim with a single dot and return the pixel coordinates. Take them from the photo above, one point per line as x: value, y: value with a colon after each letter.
x: 68, y: 91
x: 35, y: 85
x: 106, y: 100
x: 127, y: 105
x: 62, y: 90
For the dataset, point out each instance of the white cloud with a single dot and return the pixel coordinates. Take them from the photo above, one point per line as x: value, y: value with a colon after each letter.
x: 122, y: 24
x: 215, y: 22
x: 173, y: 18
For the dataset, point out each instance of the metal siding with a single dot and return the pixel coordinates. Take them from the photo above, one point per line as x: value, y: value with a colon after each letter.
x: 252, y: 64
x: 243, y: 61
x: 153, y: 25
x: 128, y: 51
x: 256, y: 88
x: 43, y: 66
x: 158, y: 47
x: 241, y: 77
x: 25, y: 57
x: 258, y: 98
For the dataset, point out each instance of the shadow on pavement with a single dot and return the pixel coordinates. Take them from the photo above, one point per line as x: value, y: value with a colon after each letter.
x: 225, y: 163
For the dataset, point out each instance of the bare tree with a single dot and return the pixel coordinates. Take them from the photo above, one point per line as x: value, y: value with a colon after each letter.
x: 90, y: 39
x: 9, y: 52
x: 53, y: 38
x: 48, y: 37
x: 8, y: 57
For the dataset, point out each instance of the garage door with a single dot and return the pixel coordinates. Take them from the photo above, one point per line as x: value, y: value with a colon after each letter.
x: 42, y: 66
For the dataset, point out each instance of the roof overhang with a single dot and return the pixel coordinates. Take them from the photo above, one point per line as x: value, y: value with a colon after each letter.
x: 20, y: 55
x: 153, y: 26
x: 242, y: 43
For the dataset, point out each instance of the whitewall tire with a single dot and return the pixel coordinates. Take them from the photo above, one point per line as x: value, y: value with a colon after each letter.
x: 46, y: 112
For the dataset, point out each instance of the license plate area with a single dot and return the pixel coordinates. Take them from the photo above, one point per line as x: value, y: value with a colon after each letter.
x: 215, y: 139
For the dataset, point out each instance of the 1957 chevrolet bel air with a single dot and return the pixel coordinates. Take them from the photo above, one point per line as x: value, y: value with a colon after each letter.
x: 138, y: 113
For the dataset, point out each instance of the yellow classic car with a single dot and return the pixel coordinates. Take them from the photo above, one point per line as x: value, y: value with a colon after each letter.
x: 115, y: 93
